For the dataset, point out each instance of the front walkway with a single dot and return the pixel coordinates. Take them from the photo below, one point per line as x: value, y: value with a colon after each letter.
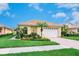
x: 66, y: 42
x: 31, y: 49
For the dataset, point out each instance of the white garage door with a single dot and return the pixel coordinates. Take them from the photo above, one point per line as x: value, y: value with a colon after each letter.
x: 47, y: 32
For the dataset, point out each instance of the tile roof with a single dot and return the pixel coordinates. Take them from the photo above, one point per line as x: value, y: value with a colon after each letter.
x: 34, y: 23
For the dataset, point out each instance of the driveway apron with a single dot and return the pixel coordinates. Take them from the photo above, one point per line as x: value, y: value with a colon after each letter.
x: 66, y: 42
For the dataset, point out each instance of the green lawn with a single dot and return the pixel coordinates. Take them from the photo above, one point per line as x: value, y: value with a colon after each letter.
x: 6, y: 42
x: 72, y: 37
x: 61, y: 52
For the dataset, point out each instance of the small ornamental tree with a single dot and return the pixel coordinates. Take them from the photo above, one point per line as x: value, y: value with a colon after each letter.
x: 64, y: 30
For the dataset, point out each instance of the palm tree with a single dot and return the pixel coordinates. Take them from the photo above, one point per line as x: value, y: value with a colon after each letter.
x: 41, y: 25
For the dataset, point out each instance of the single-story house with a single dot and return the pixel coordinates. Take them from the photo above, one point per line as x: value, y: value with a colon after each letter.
x: 52, y: 30
x: 73, y: 28
x: 4, y: 30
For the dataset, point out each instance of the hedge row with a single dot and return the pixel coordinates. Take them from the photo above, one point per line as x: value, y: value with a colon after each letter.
x: 71, y: 35
x: 6, y: 34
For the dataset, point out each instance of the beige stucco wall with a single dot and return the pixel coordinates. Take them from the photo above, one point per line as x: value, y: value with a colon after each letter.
x: 59, y: 32
x: 29, y: 28
x: 7, y: 31
x: 38, y: 31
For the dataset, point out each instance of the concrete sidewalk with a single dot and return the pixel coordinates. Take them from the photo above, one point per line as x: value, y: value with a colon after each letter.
x: 31, y: 49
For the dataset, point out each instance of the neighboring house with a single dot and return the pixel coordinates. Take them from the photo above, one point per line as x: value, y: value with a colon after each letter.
x: 4, y: 30
x: 52, y: 30
x: 73, y: 28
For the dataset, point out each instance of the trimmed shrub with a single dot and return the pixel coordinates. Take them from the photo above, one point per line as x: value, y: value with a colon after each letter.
x: 34, y: 35
x: 43, y: 39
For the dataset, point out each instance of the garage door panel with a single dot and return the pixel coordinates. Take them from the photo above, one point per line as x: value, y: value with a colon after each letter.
x: 50, y: 32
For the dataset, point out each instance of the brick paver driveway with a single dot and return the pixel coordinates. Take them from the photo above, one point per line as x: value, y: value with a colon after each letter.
x: 66, y: 42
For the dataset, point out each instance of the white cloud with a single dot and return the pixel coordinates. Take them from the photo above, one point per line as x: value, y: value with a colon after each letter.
x: 66, y: 20
x: 75, y: 14
x: 8, y: 14
x: 67, y: 5
x: 4, y: 6
x: 75, y: 18
x: 36, y: 6
x: 72, y: 6
x: 59, y: 15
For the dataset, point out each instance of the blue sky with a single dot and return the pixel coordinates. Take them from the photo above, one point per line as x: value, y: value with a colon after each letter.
x: 14, y: 13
